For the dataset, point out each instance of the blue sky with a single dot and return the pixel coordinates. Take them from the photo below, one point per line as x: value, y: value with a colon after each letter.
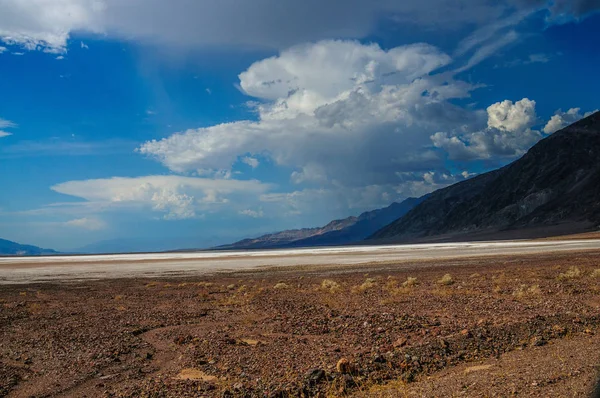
x: 175, y: 124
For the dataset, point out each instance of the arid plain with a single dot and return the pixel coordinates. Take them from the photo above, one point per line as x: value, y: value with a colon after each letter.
x: 516, y: 319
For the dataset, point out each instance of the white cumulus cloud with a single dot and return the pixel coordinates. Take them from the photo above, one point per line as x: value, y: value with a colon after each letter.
x: 250, y: 161
x: 354, y: 110
x: 562, y: 119
x: 508, y: 133
x: 46, y: 24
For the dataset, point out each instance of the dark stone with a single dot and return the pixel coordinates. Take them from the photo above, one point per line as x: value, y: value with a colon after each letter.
x: 315, y: 376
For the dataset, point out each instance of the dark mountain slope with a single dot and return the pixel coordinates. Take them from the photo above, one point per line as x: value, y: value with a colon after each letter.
x: 280, y: 239
x: 366, y: 224
x: 556, y: 181
x: 337, y: 232
x: 8, y: 248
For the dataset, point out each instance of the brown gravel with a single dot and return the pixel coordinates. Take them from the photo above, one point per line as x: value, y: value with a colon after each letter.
x: 503, y: 327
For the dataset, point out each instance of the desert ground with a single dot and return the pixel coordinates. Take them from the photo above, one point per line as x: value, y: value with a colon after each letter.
x: 520, y: 320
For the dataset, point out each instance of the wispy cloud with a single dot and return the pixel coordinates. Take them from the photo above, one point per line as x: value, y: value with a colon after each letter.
x: 60, y: 147
x: 489, y: 50
x: 488, y: 32
x: 252, y: 213
x: 6, y: 124
x: 88, y: 223
x: 538, y: 58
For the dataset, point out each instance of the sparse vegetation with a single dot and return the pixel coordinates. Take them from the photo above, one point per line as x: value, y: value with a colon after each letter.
x: 595, y: 273
x: 410, y: 282
x: 523, y: 290
x: 369, y: 283
x: 330, y: 285
x: 446, y: 280
x: 281, y: 285
x: 571, y: 273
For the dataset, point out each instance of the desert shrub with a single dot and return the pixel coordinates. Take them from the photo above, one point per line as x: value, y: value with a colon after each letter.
x: 281, y: 285
x: 330, y: 285
x: 595, y: 273
x: 523, y: 290
x: 571, y: 273
x: 446, y: 280
x: 409, y: 282
x: 534, y: 290
x: 368, y: 284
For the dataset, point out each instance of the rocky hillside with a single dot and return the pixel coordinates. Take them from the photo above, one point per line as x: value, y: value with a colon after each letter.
x: 366, y: 224
x: 8, y: 248
x: 337, y: 232
x: 279, y: 239
x: 557, y: 182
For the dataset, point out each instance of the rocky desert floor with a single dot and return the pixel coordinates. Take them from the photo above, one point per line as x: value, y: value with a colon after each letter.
x: 476, y: 327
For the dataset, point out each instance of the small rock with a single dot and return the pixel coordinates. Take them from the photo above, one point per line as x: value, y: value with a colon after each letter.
x: 408, y: 377
x: 314, y: 376
x: 378, y: 359
x: 238, y: 387
x: 465, y: 332
x: 401, y: 342
x: 537, y: 341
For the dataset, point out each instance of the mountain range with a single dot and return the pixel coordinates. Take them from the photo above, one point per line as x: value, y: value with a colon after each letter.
x: 553, y: 189
x: 9, y: 248
x: 337, y: 232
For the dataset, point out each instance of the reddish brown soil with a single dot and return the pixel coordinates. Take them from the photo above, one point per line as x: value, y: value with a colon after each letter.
x: 502, y: 327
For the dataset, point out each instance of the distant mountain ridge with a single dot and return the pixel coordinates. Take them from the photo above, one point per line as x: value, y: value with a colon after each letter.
x: 338, y: 232
x: 9, y: 248
x: 556, y: 184
x: 277, y: 239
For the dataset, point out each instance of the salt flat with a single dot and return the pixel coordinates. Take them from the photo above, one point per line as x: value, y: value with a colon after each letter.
x: 68, y: 268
